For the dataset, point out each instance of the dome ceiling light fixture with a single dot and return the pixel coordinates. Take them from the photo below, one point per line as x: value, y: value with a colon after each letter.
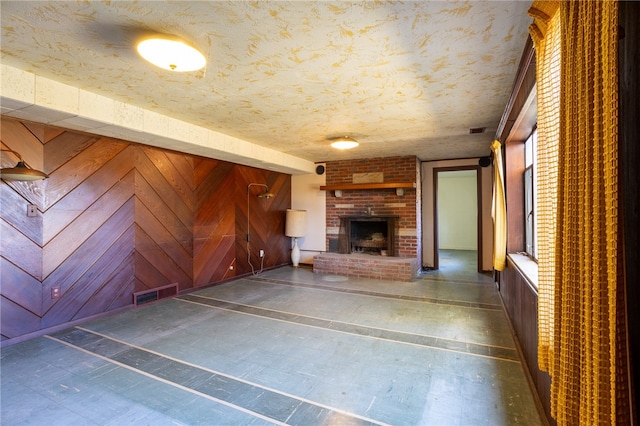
x: 344, y: 142
x: 171, y: 53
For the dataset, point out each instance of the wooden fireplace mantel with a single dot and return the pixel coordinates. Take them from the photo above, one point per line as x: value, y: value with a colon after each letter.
x: 370, y: 217
x: 362, y: 186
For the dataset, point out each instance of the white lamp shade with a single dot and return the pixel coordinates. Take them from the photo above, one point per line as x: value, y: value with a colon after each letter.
x: 295, y: 223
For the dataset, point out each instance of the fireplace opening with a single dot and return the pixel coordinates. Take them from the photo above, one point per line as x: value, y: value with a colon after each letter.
x: 368, y: 235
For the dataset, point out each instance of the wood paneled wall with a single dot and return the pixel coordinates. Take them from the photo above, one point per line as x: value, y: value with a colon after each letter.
x: 116, y: 217
x: 521, y: 303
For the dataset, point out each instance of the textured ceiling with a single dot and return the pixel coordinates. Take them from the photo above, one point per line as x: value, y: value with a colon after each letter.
x: 405, y: 78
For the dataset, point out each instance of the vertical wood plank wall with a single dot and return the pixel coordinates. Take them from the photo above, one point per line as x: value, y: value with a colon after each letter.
x: 116, y: 217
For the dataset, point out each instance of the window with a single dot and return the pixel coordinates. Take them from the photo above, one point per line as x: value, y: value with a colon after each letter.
x: 530, y: 195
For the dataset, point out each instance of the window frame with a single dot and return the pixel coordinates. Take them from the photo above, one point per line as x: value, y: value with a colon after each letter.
x: 530, y: 197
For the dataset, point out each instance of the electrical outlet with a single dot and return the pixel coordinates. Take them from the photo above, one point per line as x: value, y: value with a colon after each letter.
x: 32, y: 210
x: 55, y: 292
x: 261, y: 253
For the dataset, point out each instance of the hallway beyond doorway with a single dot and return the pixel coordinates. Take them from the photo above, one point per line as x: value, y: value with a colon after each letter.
x: 458, y: 265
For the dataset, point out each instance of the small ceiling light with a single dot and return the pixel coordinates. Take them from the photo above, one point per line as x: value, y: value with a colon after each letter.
x: 171, y: 54
x: 21, y: 171
x: 343, y: 142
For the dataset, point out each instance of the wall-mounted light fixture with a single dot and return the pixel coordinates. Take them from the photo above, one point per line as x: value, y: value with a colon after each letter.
x: 171, y: 53
x: 265, y: 194
x: 21, y: 171
x: 344, y: 142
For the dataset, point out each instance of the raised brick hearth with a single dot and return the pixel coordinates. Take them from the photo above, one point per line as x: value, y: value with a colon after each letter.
x: 367, y: 266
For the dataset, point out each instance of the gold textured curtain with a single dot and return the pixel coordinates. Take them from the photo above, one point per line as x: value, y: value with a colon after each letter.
x: 545, y: 33
x: 582, y: 333
x: 498, y: 210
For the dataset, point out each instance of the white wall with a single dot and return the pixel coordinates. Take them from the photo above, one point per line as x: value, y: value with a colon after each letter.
x: 306, y: 195
x: 457, y: 210
x: 428, y: 252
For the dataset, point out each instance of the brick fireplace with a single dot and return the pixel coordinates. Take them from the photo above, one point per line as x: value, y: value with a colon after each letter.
x: 386, y: 187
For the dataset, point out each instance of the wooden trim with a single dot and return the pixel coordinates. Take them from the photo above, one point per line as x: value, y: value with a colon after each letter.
x: 362, y: 186
x: 523, y: 86
x: 514, y: 193
x: 436, y: 252
x: 479, y: 216
x: 629, y: 175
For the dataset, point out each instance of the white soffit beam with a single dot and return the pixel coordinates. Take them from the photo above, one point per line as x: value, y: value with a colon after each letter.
x: 31, y: 97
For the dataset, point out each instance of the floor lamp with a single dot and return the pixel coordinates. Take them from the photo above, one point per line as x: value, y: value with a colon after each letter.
x: 295, y: 227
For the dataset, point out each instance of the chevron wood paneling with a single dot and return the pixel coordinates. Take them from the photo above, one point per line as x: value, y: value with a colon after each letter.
x: 83, y: 274
x: 116, y: 217
x: 24, y: 290
x: 31, y: 144
x: 66, y: 145
x: 78, y: 169
x: 75, y: 202
x: 161, y: 252
x: 19, y: 249
x: 17, y: 320
x: 164, y: 218
x: 90, y: 221
x: 261, y: 219
x: 21, y: 236
x: 214, y: 226
x: 31, y: 227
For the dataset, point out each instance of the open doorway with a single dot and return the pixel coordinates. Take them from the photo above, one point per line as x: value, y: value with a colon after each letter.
x: 457, y: 218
